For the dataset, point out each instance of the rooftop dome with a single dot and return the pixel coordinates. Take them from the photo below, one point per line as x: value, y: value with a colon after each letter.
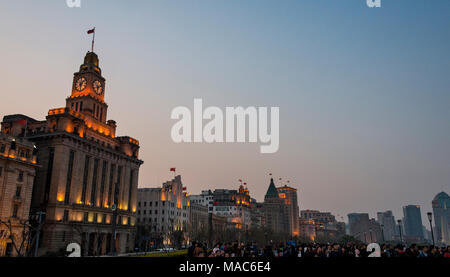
x: 91, y: 63
x: 441, y: 196
x: 91, y: 58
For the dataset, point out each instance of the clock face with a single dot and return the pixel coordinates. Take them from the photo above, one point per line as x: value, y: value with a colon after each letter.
x: 81, y: 84
x: 98, y: 88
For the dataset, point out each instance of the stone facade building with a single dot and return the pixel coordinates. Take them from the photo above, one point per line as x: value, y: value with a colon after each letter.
x: 162, y: 211
x: 276, y: 219
x: 198, y: 221
x: 291, y: 210
x: 206, y: 198
x: 17, y: 172
x: 235, y: 205
x: 87, y: 182
x: 364, y: 228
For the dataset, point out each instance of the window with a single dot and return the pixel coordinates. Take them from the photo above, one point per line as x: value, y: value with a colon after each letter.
x: 20, y: 176
x: 1, y: 171
x: 94, y: 184
x: 48, y: 179
x: 118, y: 183
x: 130, y: 189
x: 111, y: 181
x: 103, y: 182
x: 69, y: 177
x: 66, y: 215
x: 15, y: 210
x: 85, y: 179
x: 2, y: 148
x: 18, y: 190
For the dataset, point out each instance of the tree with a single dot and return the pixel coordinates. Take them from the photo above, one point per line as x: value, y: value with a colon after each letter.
x: 345, y: 239
x: 21, y: 242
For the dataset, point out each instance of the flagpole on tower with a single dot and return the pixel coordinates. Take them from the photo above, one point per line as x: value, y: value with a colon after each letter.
x: 93, y: 40
x: 92, y: 31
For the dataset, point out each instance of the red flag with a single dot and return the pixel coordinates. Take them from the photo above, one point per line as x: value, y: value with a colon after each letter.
x: 240, y: 180
x: 245, y: 183
x: 22, y: 122
x: 91, y: 31
x: 173, y: 169
x: 184, y: 188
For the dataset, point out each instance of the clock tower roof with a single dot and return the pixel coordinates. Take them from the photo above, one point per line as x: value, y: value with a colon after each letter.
x: 91, y: 63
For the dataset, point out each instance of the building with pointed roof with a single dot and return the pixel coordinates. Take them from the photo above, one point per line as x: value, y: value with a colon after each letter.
x: 276, y: 220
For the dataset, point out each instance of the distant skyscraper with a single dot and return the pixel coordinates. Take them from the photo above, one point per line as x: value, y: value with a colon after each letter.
x: 412, y: 222
x: 441, y: 211
x: 364, y: 228
x: 387, y: 220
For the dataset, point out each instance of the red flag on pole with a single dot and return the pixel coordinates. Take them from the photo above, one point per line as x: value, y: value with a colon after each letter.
x: 91, y: 31
x: 173, y: 169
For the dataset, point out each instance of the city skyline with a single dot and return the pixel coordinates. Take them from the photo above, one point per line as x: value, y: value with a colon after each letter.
x: 349, y: 142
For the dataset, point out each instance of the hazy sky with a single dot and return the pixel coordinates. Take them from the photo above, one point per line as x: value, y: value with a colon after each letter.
x: 363, y: 93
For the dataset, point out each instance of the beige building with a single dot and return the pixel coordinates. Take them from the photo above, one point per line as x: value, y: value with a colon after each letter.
x: 162, y: 211
x: 17, y: 172
x: 198, y: 222
x: 235, y: 206
x: 289, y: 197
x: 87, y: 182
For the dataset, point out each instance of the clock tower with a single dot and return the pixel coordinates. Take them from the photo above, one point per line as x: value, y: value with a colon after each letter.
x: 88, y: 90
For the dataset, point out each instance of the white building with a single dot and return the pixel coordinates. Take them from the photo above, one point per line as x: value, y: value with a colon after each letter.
x: 206, y: 198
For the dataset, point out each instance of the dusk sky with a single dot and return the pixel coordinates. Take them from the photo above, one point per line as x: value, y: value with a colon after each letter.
x: 364, y: 93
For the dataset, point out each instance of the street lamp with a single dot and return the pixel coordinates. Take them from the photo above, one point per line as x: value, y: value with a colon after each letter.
x: 430, y: 218
x: 400, y: 229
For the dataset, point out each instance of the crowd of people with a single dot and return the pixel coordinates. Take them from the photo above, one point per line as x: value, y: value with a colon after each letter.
x: 313, y: 250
